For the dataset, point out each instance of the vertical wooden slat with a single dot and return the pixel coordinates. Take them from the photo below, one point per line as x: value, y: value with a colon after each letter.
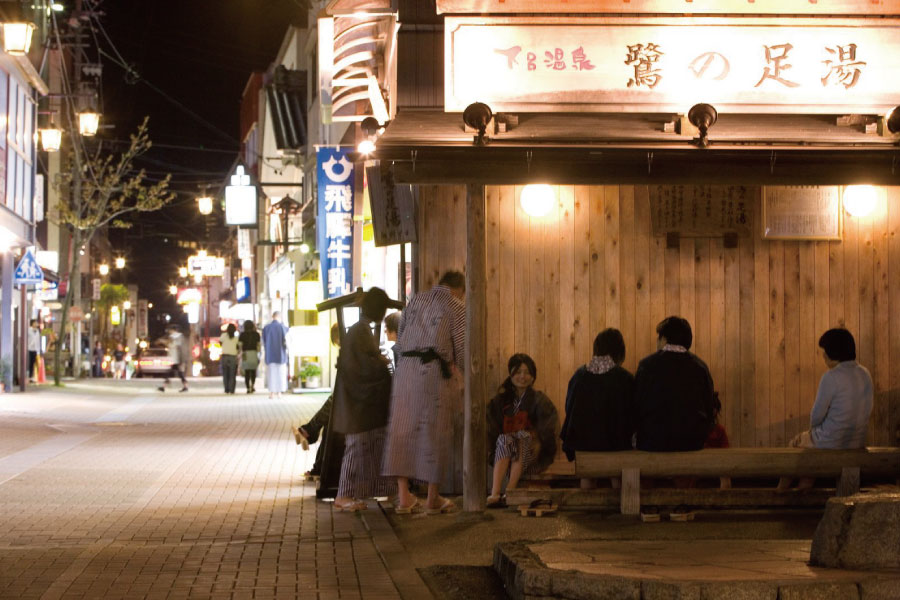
x: 792, y: 371
x: 640, y: 344
x: 567, y: 325
x: 550, y: 342
x: 672, y: 280
x: 761, y: 339
x: 865, y: 294
x: 807, y: 345
x: 894, y: 307
x: 776, y: 344
x: 836, y: 284
x: 659, y: 291
x: 686, y: 258
x: 731, y: 397
x: 598, y: 262
x: 882, y: 325
x: 613, y: 276
x: 524, y: 284
x: 627, y: 291
x: 493, y: 295
x: 476, y: 391
x: 537, y: 301
x: 747, y: 362
x: 716, y: 353
x: 510, y: 312
x: 823, y: 305
x: 851, y: 274
x: 701, y: 318
x: 584, y: 336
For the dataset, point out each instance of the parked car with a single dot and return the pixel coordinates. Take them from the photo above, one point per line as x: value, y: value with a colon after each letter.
x: 154, y: 362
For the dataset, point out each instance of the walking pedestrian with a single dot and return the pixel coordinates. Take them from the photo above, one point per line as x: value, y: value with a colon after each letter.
x: 119, y: 362
x: 248, y: 342
x: 361, y: 402
x: 426, y: 391
x: 181, y: 358
x: 34, y: 347
x: 274, y: 337
x: 229, y: 343
x: 97, y: 366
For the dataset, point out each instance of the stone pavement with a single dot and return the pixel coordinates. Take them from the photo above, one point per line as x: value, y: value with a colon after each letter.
x: 111, y: 489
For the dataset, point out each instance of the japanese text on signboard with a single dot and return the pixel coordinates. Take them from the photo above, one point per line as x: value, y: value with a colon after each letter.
x: 335, y: 226
x: 810, y: 67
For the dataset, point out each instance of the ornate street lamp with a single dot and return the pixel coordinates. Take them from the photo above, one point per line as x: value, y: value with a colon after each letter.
x: 17, y: 38
x: 88, y: 123
x: 205, y: 205
x: 51, y: 139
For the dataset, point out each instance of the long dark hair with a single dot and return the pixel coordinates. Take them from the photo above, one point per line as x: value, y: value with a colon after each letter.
x: 230, y: 330
x: 249, y: 326
x: 507, y: 389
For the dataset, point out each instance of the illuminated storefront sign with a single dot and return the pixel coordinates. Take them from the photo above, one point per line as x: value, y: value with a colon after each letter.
x: 660, y: 65
x: 208, y: 266
x: 335, y: 225
x: 241, y: 200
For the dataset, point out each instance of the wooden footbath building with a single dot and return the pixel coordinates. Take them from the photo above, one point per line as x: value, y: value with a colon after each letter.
x: 734, y: 162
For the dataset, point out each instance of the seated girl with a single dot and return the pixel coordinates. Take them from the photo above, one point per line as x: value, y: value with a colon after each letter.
x: 600, y: 407
x: 521, y: 428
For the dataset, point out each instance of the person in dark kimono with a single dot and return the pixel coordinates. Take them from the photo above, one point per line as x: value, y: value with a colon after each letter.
x: 600, y: 409
x: 361, y: 401
x: 673, y: 393
x: 521, y: 428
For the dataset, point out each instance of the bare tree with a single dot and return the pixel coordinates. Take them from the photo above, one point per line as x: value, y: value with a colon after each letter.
x: 96, y: 191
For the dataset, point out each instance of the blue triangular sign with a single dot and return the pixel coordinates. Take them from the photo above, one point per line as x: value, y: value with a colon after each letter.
x: 28, y: 271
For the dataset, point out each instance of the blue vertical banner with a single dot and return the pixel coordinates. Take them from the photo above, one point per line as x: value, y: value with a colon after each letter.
x: 334, y: 228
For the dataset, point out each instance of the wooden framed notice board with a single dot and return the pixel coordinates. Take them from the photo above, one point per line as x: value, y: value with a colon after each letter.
x: 801, y: 213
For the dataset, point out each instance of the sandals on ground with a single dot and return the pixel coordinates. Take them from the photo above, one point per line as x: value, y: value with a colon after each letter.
x: 352, y: 506
x: 405, y: 510
x: 446, y: 506
x: 496, y: 501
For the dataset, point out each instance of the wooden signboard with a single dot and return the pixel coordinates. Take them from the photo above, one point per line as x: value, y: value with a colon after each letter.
x: 801, y: 213
x: 702, y: 210
x: 393, y: 208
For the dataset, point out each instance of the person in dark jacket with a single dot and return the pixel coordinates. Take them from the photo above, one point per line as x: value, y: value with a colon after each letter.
x: 600, y: 408
x: 361, y: 402
x: 673, y: 393
x: 521, y: 427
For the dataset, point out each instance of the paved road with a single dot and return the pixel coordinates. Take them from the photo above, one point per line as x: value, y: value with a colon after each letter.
x: 113, y: 490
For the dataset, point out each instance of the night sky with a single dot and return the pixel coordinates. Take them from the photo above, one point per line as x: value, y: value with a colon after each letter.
x: 193, y: 59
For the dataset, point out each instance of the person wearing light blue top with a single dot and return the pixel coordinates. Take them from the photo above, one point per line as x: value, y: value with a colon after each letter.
x: 840, y: 416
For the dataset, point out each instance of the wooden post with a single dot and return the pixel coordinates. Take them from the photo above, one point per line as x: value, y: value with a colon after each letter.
x: 630, y: 503
x: 474, y: 457
x: 848, y: 482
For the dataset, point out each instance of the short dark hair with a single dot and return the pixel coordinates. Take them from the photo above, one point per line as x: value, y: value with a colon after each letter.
x: 392, y: 322
x: 336, y: 334
x: 454, y: 280
x: 374, y: 303
x: 610, y: 342
x: 838, y: 344
x: 676, y: 330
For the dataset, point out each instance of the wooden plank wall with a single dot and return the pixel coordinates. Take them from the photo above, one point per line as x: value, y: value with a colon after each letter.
x: 757, y: 310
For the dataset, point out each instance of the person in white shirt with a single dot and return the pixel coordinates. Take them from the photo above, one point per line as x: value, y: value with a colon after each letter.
x: 229, y: 343
x: 34, y: 346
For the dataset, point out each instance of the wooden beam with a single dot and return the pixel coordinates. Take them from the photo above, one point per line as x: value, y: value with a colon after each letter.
x: 474, y: 465
x: 696, y: 7
x: 740, y: 462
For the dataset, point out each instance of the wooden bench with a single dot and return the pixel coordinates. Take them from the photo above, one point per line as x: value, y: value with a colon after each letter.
x: 631, y: 465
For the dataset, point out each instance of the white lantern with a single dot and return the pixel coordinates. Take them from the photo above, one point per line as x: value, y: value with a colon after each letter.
x: 17, y: 38
x: 537, y: 199
x: 860, y: 200
x: 205, y: 205
x: 51, y: 139
x: 88, y: 123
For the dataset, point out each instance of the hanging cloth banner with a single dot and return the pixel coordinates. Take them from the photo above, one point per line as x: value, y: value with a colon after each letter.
x: 335, y: 221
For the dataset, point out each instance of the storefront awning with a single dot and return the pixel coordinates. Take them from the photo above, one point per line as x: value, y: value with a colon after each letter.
x: 434, y: 147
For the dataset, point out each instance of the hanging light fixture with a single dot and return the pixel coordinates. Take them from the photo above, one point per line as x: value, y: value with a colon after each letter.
x: 537, y: 199
x: 103, y: 269
x: 120, y: 262
x: 205, y: 205
x: 51, y: 139
x: 88, y: 123
x: 860, y: 200
x: 17, y: 38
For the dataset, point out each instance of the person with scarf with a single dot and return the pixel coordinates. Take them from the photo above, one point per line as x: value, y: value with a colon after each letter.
x: 673, y: 393
x: 521, y: 427
x: 600, y: 408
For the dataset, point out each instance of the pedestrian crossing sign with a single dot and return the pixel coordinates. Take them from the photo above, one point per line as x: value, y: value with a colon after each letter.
x: 28, y: 271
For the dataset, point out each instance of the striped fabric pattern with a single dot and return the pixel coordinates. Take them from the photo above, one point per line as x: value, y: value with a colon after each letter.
x: 514, y: 446
x: 422, y: 401
x: 360, y: 466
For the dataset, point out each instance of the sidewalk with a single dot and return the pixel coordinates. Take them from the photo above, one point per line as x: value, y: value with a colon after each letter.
x: 109, y: 489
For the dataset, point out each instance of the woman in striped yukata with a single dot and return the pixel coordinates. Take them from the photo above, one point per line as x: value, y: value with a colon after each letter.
x: 427, y: 391
x: 521, y: 428
x: 361, y: 399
